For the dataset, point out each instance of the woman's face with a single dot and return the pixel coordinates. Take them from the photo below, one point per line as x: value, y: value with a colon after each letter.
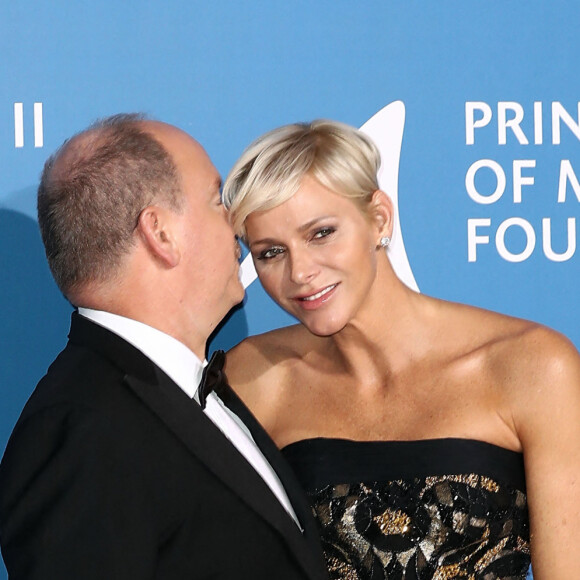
x: 316, y: 256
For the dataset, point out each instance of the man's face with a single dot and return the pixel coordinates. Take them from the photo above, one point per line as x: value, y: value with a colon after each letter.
x: 209, y: 251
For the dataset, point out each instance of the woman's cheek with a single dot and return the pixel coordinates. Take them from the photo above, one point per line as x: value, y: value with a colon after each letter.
x: 270, y: 284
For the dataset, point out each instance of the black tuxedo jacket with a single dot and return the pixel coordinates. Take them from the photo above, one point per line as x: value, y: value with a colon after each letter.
x: 112, y: 472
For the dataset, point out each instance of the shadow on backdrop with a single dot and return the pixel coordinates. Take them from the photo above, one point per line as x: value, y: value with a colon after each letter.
x: 34, y: 318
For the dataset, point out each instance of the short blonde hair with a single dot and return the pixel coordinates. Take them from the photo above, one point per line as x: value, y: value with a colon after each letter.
x: 271, y: 169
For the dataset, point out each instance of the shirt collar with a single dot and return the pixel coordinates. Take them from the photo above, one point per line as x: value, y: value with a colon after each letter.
x: 169, y: 354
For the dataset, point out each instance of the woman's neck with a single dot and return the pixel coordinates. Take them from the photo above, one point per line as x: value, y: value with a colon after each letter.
x: 392, y: 330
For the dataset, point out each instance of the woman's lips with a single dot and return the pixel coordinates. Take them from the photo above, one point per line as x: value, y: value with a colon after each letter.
x: 313, y: 301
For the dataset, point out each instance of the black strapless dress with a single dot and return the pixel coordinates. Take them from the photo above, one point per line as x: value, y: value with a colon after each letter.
x: 416, y: 510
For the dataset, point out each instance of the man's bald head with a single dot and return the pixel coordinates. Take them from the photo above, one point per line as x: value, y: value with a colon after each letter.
x: 91, y: 193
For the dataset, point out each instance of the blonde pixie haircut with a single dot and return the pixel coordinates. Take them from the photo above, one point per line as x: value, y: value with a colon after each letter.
x: 271, y: 169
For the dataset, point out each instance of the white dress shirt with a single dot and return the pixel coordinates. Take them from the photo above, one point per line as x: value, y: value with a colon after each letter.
x: 185, y: 369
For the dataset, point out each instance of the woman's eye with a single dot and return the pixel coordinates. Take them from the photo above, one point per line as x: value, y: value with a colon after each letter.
x: 270, y: 253
x: 323, y: 233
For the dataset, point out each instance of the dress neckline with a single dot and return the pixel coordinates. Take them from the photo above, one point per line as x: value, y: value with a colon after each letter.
x: 321, y: 461
x: 395, y: 442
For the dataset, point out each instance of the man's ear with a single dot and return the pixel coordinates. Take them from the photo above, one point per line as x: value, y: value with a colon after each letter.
x: 155, y: 228
x: 382, y: 214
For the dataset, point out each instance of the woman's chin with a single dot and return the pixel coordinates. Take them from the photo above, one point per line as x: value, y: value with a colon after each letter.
x: 323, y: 328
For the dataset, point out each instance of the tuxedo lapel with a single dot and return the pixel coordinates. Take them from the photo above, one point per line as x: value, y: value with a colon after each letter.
x: 187, y: 421
x: 204, y: 440
x: 312, y: 563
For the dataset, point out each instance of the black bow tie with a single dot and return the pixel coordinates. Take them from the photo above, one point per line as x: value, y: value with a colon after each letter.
x: 212, y: 377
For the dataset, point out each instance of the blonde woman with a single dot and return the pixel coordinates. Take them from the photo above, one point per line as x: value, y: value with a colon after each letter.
x: 434, y: 440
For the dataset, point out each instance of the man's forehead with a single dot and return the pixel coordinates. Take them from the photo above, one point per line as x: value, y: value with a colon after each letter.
x: 182, y: 147
x: 165, y: 132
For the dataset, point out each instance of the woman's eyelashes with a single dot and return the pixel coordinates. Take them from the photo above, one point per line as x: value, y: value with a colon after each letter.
x: 270, y: 253
x: 323, y: 232
x: 275, y: 251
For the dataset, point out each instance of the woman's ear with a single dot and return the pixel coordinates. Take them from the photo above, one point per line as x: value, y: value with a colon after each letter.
x: 382, y: 214
x: 155, y: 228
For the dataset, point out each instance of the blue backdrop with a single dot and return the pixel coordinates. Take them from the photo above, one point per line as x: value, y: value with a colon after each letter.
x: 489, y: 94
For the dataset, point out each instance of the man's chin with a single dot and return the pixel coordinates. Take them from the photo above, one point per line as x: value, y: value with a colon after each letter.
x: 238, y: 296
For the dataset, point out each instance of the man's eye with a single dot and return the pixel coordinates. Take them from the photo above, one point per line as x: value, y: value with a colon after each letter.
x: 270, y: 253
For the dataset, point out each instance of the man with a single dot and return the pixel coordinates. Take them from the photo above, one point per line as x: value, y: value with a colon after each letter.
x: 118, y: 468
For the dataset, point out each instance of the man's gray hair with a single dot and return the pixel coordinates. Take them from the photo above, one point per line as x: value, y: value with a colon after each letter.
x: 91, y: 193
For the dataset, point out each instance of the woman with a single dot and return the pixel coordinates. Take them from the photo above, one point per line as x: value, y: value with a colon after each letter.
x: 423, y: 431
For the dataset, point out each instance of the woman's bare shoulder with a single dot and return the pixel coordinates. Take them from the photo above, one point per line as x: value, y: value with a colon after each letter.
x: 524, y: 346
x: 262, y: 362
x: 516, y: 352
x: 489, y: 331
x: 547, y: 360
x: 527, y: 358
x: 265, y: 350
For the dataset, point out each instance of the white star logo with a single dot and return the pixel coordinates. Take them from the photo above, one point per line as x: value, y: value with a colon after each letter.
x: 386, y: 130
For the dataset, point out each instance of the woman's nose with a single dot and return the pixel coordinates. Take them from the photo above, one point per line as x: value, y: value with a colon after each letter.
x: 302, y: 267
